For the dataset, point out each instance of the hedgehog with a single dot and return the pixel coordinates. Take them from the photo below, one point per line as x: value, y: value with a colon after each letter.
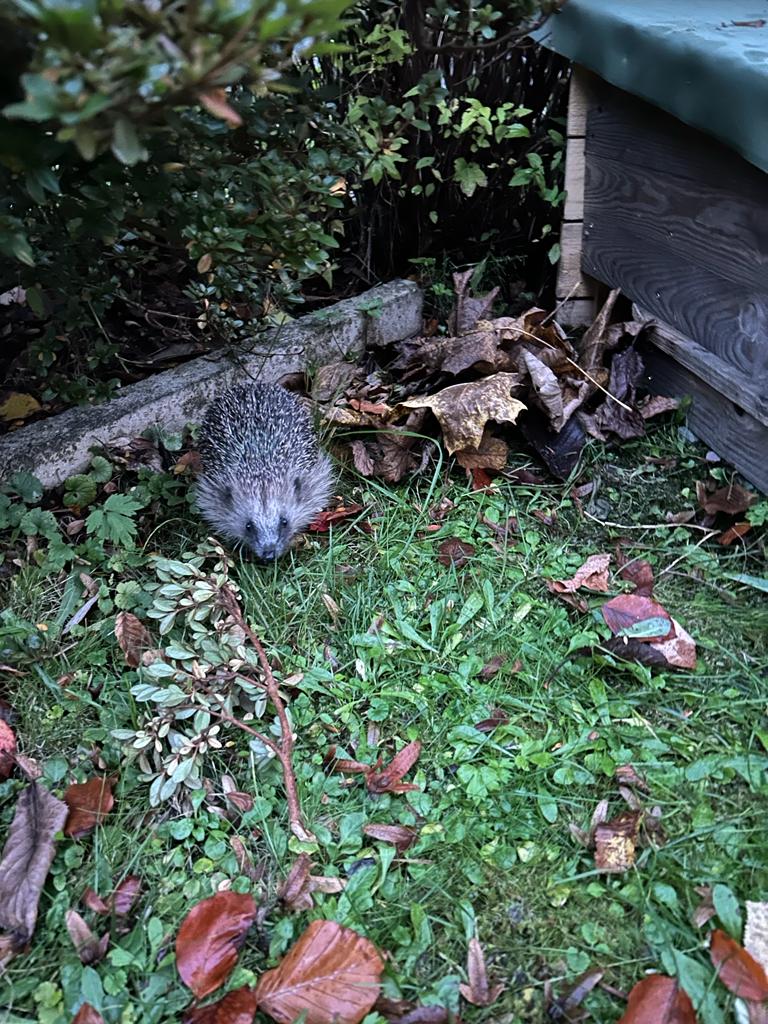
x: 264, y: 477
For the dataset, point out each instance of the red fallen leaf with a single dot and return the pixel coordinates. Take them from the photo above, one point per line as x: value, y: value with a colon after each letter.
x: 658, y: 999
x: 498, y: 717
x: 733, y: 500
x: 94, y: 902
x: 88, y: 803
x: 210, y: 938
x: 215, y: 102
x: 191, y: 461
x: 125, y: 895
x: 481, y: 479
x: 89, y: 948
x: 478, y: 991
x: 390, y: 779
x: 455, y: 552
x: 7, y: 750
x: 733, y: 533
x: 626, y: 610
x: 330, y: 974
x: 236, y: 1007
x: 737, y: 969
x: 639, y: 572
x: 87, y: 1015
x: 133, y: 637
x: 401, y: 836
x: 325, y: 520
x: 593, y: 574
x: 615, y: 842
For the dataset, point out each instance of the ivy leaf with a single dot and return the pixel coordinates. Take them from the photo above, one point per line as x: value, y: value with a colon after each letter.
x: 114, y: 520
x: 469, y: 176
x: 126, y: 144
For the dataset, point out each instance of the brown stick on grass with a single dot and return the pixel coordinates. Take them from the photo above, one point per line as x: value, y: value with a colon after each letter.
x: 284, y: 750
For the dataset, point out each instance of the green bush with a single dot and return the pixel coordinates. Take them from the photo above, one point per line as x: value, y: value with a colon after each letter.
x: 176, y: 173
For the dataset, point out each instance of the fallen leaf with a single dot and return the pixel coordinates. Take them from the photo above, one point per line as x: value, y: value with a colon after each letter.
x: 492, y: 666
x: 455, y: 552
x: 210, y: 938
x: 16, y: 405
x: 389, y: 779
x: 89, y: 948
x: 478, y: 991
x: 191, y: 461
x: 125, y: 894
x: 236, y: 1007
x: 295, y: 892
x: 615, y: 842
x: 678, y: 650
x: 735, y: 532
x: 87, y: 1015
x: 627, y: 776
x: 133, y: 637
x: 732, y: 500
x: 658, y: 999
x: 481, y: 480
x: 462, y: 410
x: 560, y: 450
x: 575, y: 994
x: 640, y: 573
x: 467, y: 309
x: 655, y: 405
x: 737, y: 969
x: 215, y: 102
x: 362, y: 460
x: 402, y: 1011
x: 492, y: 453
x: 325, y: 520
x: 625, y: 611
x: 498, y: 717
x: 401, y: 836
x: 27, y: 855
x: 756, y: 932
x: 705, y: 910
x: 88, y: 803
x: 94, y: 902
x: 593, y: 575
x: 7, y: 750
x: 244, y: 863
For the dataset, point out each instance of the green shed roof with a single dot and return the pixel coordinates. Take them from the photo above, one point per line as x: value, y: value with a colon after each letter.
x: 706, y: 61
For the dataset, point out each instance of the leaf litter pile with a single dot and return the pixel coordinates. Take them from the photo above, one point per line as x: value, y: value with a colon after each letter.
x: 467, y: 389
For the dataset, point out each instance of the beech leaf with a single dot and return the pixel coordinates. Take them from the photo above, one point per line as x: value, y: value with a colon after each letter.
x: 658, y: 999
x: 210, y: 938
x: 389, y: 780
x: 27, y: 856
x: 88, y: 803
x: 593, y: 574
x: 401, y: 836
x: 87, y: 1015
x: 737, y: 969
x: 623, y: 612
x: 236, y: 1007
x: 133, y: 637
x: 330, y: 974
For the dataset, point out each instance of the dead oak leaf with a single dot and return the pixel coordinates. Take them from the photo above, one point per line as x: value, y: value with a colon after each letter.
x: 593, y: 575
x: 330, y: 974
x: 88, y: 802
x: 27, y: 855
x: 462, y: 410
x: 478, y: 992
x: 210, y: 938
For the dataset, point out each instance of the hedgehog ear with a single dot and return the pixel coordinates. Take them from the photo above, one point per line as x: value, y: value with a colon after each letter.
x: 226, y: 496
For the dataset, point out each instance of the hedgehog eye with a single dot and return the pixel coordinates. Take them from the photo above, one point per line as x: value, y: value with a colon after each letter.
x: 249, y: 527
x: 283, y: 522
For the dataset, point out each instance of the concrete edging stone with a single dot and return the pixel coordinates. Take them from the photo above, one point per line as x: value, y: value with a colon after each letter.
x: 56, y: 448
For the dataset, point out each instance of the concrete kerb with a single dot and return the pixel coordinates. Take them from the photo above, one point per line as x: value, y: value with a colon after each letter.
x: 56, y: 448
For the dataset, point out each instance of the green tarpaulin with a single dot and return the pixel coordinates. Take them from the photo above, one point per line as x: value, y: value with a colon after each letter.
x: 705, y: 62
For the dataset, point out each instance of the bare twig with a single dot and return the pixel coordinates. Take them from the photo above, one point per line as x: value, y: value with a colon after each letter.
x: 284, y: 750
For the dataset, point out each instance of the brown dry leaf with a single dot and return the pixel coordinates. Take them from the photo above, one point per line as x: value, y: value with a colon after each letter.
x: 189, y: 461
x: 325, y: 520
x: 705, y: 910
x: 655, y: 405
x: 331, y: 380
x: 236, y: 1007
x: 94, y: 902
x: 497, y: 717
x: 737, y: 969
x: 27, y: 856
x: 401, y: 836
x: 627, y: 776
x: 492, y: 666
x: 547, y: 389
x: 215, y: 102
x: 210, y: 938
x: 7, y: 750
x: 330, y: 974
x: 296, y: 891
x: 756, y: 932
x: 478, y: 991
x: 362, y: 461
x: 640, y: 573
x: 17, y: 405
x: 575, y: 995
x: 595, y: 341
x: 593, y: 575
x: 468, y: 310
x: 245, y: 865
x: 658, y: 999
x: 678, y: 650
x: 125, y: 895
x: 733, y: 500
x: 492, y: 454
x: 455, y: 552
x: 627, y: 612
x: 462, y: 410
x: 88, y: 803
x: 615, y: 842
x: 133, y: 637
x: 735, y: 532
x: 87, y: 1015
x: 89, y: 948
x: 389, y: 779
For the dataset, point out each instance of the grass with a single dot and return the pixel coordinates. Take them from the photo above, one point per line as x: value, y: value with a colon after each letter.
x: 495, y: 856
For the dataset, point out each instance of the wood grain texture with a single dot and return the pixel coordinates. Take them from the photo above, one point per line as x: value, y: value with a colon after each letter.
x: 574, y: 180
x: 726, y: 427
x: 570, y: 279
x: 581, y: 93
x: 681, y: 225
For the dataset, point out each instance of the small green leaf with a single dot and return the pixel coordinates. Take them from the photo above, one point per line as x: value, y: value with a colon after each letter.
x: 101, y: 469
x: 126, y: 144
x: 727, y: 908
x: 469, y: 175
x: 40, y: 522
x: 27, y: 486
x: 79, y: 491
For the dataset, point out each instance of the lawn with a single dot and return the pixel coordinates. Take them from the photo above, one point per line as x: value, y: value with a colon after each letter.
x: 377, y: 642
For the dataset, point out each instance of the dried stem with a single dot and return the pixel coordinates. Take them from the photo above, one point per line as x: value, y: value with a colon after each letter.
x: 284, y: 750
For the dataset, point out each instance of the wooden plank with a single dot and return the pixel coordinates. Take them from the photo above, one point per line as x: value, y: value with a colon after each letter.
x: 574, y: 180
x: 576, y: 312
x: 570, y: 280
x: 746, y: 392
x: 680, y: 223
x: 580, y: 99
x: 726, y: 427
